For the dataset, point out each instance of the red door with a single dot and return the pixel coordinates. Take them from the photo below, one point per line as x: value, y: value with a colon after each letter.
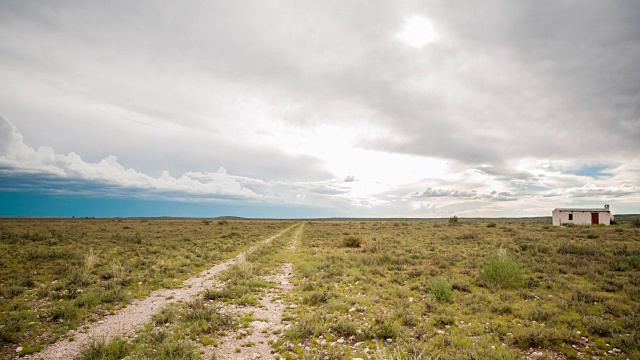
x: 594, y: 219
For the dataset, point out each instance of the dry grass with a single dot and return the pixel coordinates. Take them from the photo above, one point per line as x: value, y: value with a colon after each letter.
x: 409, y: 290
x: 474, y: 290
x: 58, y: 274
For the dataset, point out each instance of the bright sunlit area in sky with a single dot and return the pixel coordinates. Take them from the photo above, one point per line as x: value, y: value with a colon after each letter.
x: 418, y: 31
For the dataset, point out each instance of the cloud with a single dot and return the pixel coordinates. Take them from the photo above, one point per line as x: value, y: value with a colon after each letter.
x: 471, y: 195
x: 501, y: 86
x: 593, y: 190
x: 492, y: 88
x: 26, y: 160
x: 23, y: 168
x: 291, y: 99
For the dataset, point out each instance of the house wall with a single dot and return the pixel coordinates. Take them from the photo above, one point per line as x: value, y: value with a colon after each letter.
x: 604, y: 218
x: 579, y: 218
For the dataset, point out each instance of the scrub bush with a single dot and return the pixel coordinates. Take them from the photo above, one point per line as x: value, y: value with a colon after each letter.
x: 500, y: 270
x: 352, y: 241
x: 441, y: 289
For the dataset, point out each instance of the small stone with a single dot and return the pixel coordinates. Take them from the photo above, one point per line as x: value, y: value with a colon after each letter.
x: 389, y: 340
x: 242, y: 332
x: 357, y: 359
x: 578, y: 332
x: 255, y: 356
x: 340, y: 341
x: 441, y: 332
x: 19, y: 348
x: 537, y: 354
x: 352, y: 310
x: 293, y: 306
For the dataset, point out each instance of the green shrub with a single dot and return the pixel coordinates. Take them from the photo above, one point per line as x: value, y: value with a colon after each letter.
x: 115, y: 294
x: 585, y: 296
x: 307, y: 326
x: 599, y: 326
x: 500, y: 270
x: 441, y: 289
x: 11, y: 291
x: 352, y: 241
x: 386, y: 329
x: 318, y: 297
x: 199, y: 310
x: 635, y: 222
x: 462, y: 285
x: 165, y: 316
x: 453, y: 220
x: 468, y: 236
x: 575, y: 249
x: 62, y: 312
x: 178, y: 350
x: 345, y: 327
x: 98, y: 349
x: 536, y: 336
x: 231, y: 235
x: 440, y: 320
x: 492, y: 225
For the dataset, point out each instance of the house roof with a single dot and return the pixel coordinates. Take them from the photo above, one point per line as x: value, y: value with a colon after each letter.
x: 584, y: 209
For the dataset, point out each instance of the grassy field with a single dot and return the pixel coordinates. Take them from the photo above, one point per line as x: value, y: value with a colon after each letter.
x: 471, y: 290
x: 58, y: 274
x: 378, y: 289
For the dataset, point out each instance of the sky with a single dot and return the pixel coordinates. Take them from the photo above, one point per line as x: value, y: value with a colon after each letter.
x: 318, y: 108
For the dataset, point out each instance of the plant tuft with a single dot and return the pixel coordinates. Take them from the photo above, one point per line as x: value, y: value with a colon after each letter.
x: 500, y: 270
x: 352, y: 241
x: 441, y: 289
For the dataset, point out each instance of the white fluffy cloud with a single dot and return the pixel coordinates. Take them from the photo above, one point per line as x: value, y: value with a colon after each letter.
x: 15, y: 154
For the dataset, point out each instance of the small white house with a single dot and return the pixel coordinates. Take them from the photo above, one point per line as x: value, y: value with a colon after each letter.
x: 591, y: 216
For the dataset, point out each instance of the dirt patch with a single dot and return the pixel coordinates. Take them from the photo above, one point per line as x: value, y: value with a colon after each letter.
x: 254, y: 341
